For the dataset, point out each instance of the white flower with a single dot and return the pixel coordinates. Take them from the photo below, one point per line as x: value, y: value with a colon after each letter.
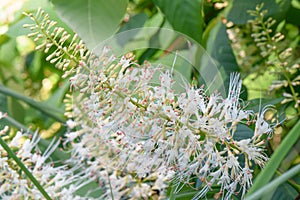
x: 141, y: 191
x: 137, y: 126
x: 70, y: 123
x: 2, y: 115
x: 15, y: 142
x: 57, y: 181
x: 261, y: 126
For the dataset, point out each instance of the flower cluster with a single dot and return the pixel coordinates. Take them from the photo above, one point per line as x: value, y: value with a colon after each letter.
x: 55, y: 180
x: 133, y: 132
x: 128, y: 121
x: 277, y: 55
x: 49, y: 35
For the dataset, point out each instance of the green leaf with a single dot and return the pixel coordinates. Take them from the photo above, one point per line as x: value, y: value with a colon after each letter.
x: 267, y: 173
x: 166, y: 39
x: 238, y: 12
x: 34, y: 64
x: 296, y: 4
x: 149, y: 34
x: 3, y: 108
x: 265, y: 189
x: 17, y: 29
x: 255, y: 84
x: 141, y: 40
x: 92, y: 186
x: 56, y: 99
x: 51, y: 111
x: 3, y: 103
x: 258, y: 104
x: 16, y: 110
x: 136, y: 21
x: 186, y: 195
x: 242, y: 132
x: 93, y: 20
x: 184, y: 15
x: 3, y: 38
x: 8, y: 52
x: 293, y: 14
x: 218, y: 47
x: 284, y: 191
x: 185, y: 192
x: 181, y: 66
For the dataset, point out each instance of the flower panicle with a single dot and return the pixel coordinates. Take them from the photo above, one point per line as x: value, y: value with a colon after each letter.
x: 128, y: 124
x: 270, y: 45
x: 67, y: 50
x: 55, y: 180
x: 147, y: 126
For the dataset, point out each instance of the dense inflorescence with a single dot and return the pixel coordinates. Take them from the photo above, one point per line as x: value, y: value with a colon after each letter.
x: 134, y: 133
x: 128, y: 121
x: 54, y: 179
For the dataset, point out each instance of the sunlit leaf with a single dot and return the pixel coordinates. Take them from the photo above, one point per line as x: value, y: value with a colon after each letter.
x: 184, y: 15
x: 93, y: 20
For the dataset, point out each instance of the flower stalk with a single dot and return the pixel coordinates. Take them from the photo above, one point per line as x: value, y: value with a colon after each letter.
x: 270, y: 48
x: 24, y: 169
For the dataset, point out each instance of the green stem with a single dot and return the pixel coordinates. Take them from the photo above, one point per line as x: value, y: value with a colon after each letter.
x: 24, y: 169
x: 172, y: 193
x: 16, y: 124
x: 186, y: 195
x: 267, y: 173
x: 110, y: 188
x: 274, y: 184
x: 48, y: 110
x: 291, y: 182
